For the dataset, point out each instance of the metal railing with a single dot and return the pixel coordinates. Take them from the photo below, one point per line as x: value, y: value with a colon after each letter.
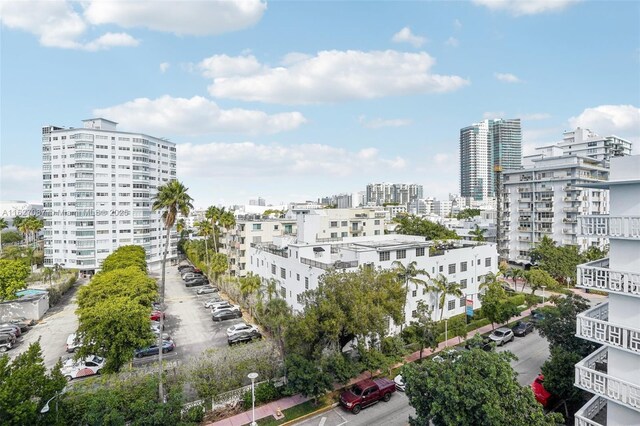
x: 594, y: 325
x: 585, y: 416
x: 610, y: 226
x: 597, y: 275
x: 591, y: 375
x: 326, y: 266
x: 270, y: 248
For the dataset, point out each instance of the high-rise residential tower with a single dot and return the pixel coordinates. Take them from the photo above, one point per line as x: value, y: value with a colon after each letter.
x: 483, y: 146
x: 98, y: 188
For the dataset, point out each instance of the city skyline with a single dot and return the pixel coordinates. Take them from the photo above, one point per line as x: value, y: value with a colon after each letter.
x: 258, y: 110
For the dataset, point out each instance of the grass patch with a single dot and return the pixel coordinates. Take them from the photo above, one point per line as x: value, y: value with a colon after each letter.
x: 293, y: 413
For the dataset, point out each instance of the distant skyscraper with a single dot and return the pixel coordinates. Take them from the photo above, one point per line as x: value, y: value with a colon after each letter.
x: 401, y: 193
x: 484, y: 145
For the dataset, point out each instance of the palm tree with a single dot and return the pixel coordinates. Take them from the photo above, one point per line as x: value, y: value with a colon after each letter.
x: 3, y: 225
x: 227, y: 221
x: 47, y: 273
x: 249, y: 284
x: 443, y: 288
x: 205, y: 230
x: 478, y: 233
x: 214, y: 214
x: 171, y: 199
x: 408, y: 275
x: 271, y: 288
x: 181, y: 226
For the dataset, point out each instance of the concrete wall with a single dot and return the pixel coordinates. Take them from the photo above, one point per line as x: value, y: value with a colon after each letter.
x: 29, y: 307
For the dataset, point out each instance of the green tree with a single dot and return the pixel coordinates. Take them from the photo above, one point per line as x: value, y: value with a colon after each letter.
x: 559, y: 374
x: 205, y: 230
x: 595, y: 253
x: 129, y: 282
x: 478, y: 233
x: 468, y: 214
x: 276, y: 316
x: 249, y: 285
x: 496, y: 306
x: 172, y: 199
x: 307, y: 377
x: 13, y: 275
x: 559, y: 261
x: 559, y: 324
x: 47, y: 274
x: 424, y: 330
x: 538, y: 278
x: 219, y: 264
x: 443, y: 288
x: 413, y: 225
x: 408, y: 274
x: 479, y: 388
x: 10, y: 237
x: 3, y: 225
x: 458, y: 328
x: 214, y: 214
x: 25, y: 386
x: 114, y: 328
x: 124, y: 257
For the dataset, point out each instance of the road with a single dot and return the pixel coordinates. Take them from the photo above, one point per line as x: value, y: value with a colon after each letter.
x: 531, y: 351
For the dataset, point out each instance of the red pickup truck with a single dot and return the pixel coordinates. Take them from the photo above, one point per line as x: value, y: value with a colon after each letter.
x: 367, y: 392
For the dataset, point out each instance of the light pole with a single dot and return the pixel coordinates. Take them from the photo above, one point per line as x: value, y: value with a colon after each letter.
x: 45, y: 409
x: 543, y: 287
x: 253, y: 377
x: 446, y: 332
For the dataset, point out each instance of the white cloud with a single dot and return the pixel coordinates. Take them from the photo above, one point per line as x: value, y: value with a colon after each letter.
x: 164, y: 67
x: 536, y: 116
x: 452, y: 41
x: 249, y: 159
x: 489, y: 115
x: 332, y: 76
x: 506, y: 77
x: 109, y: 40
x: 180, y: 116
x: 406, y: 36
x: 20, y: 183
x: 457, y: 25
x: 185, y: 17
x: 219, y: 66
x: 605, y: 120
x: 526, y: 7
x: 377, y: 123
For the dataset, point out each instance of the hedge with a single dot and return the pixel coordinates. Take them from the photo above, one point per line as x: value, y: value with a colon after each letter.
x: 56, y: 293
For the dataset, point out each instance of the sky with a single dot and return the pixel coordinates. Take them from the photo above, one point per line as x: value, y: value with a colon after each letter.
x: 294, y: 100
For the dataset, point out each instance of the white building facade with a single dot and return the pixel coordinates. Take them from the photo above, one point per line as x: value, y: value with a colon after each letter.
x: 98, y: 186
x: 612, y: 372
x: 546, y: 199
x: 586, y: 143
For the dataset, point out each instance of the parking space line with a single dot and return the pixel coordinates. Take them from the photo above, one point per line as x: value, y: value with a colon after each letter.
x: 322, y: 421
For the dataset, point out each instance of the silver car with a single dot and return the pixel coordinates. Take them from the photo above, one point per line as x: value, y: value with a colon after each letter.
x: 501, y: 336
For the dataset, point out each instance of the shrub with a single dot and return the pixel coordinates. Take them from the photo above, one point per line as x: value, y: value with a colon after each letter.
x: 518, y: 299
x: 195, y: 415
x: 56, y: 292
x: 265, y: 392
x: 473, y: 325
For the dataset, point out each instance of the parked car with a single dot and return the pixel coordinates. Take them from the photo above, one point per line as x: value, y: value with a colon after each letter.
x: 207, y: 290
x: 240, y: 328
x: 400, y: 384
x: 23, y: 323
x: 184, y: 267
x: 6, y: 342
x: 14, y: 327
x: 212, y: 298
x: 226, y: 313
x: 167, y: 346
x: 72, y: 369
x: 542, y: 395
x: 244, y: 336
x: 367, y: 392
x: 191, y: 275
x: 196, y: 282
x: 165, y: 336
x: 507, y: 288
x: 212, y: 303
x: 451, y: 354
x: 226, y: 305
x: 156, y: 325
x: 501, y: 336
x: 9, y: 330
x: 156, y: 315
x: 536, y: 317
x: 522, y: 328
x: 486, y: 345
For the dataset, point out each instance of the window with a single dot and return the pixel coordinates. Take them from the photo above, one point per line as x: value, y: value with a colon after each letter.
x: 451, y: 305
x: 463, y: 266
x: 414, y: 293
x: 487, y: 261
x: 452, y: 268
x: 298, y: 277
x: 440, y: 268
x: 420, y: 251
x: 376, y: 222
x: 401, y: 254
x: 463, y: 284
x: 283, y: 273
x: 306, y: 283
x: 463, y: 301
x: 334, y: 224
x: 376, y: 232
x: 385, y: 255
x: 414, y: 314
x: 478, y: 261
x: 257, y: 226
x: 344, y: 223
x: 273, y: 268
x: 334, y: 235
x: 344, y: 234
x: 283, y: 292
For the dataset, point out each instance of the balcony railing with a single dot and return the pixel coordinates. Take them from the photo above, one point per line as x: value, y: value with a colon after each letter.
x: 326, y: 266
x: 593, y: 325
x: 586, y: 416
x: 598, y: 276
x: 627, y: 227
x: 591, y: 375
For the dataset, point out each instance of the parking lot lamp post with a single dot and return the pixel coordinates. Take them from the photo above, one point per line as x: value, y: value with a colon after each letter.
x: 253, y: 377
x: 446, y: 332
x: 45, y: 409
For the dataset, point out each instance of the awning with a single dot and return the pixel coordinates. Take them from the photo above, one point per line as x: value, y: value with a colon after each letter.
x: 318, y: 249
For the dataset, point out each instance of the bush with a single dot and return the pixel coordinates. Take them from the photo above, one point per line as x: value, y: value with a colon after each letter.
x: 56, y: 292
x: 265, y: 392
x: 10, y: 237
x: 195, y: 415
x: 518, y: 299
x: 473, y: 325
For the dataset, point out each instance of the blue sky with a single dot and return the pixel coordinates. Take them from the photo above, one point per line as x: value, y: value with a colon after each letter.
x: 295, y: 100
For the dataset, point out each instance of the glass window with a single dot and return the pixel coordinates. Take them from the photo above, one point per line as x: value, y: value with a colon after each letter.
x: 451, y: 305
x: 452, y: 268
x: 420, y: 251
x: 401, y: 254
x: 385, y: 255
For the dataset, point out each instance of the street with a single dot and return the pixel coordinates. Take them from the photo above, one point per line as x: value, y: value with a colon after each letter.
x: 531, y: 351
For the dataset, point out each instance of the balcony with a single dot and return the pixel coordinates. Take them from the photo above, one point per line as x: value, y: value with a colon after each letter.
x: 597, y: 275
x: 591, y: 375
x: 568, y: 231
x: 593, y: 413
x: 571, y: 209
x: 524, y: 238
x: 593, y: 325
x: 624, y: 227
x: 570, y: 220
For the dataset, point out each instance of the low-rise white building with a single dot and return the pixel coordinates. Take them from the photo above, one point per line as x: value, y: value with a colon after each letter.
x: 297, y: 264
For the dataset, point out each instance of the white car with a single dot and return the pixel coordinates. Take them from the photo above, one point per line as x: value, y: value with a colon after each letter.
x: 212, y: 305
x: 72, y: 369
x: 501, y: 336
x: 73, y: 342
x: 240, y: 328
x: 400, y: 384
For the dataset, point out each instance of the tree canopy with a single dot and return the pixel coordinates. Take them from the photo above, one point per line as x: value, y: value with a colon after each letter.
x: 476, y: 388
x: 496, y: 306
x: 561, y: 261
x: 414, y: 225
x: 129, y: 282
x: 468, y: 214
x: 125, y: 256
x: 13, y: 275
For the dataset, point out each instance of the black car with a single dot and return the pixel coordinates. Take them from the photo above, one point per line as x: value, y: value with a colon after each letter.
x: 226, y: 314
x: 536, y: 317
x: 244, y: 336
x: 196, y: 282
x: 486, y: 345
x: 6, y: 342
x: 507, y: 288
x: 522, y: 328
x: 185, y: 267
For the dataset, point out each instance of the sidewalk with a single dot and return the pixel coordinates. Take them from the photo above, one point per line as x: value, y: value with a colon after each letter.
x: 270, y: 408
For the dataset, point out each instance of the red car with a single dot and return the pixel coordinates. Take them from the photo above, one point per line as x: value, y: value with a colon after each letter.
x: 155, y: 315
x: 542, y: 395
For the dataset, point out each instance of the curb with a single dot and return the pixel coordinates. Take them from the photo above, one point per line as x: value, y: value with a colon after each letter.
x: 309, y: 415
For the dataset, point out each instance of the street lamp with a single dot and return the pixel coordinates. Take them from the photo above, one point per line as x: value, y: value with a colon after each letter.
x: 253, y: 377
x: 45, y: 409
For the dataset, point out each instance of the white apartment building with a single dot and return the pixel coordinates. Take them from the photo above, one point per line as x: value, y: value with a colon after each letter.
x: 442, y: 207
x: 378, y: 194
x: 586, y: 143
x: 98, y: 186
x: 298, y: 264
x: 11, y: 209
x: 546, y: 199
x: 612, y: 372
